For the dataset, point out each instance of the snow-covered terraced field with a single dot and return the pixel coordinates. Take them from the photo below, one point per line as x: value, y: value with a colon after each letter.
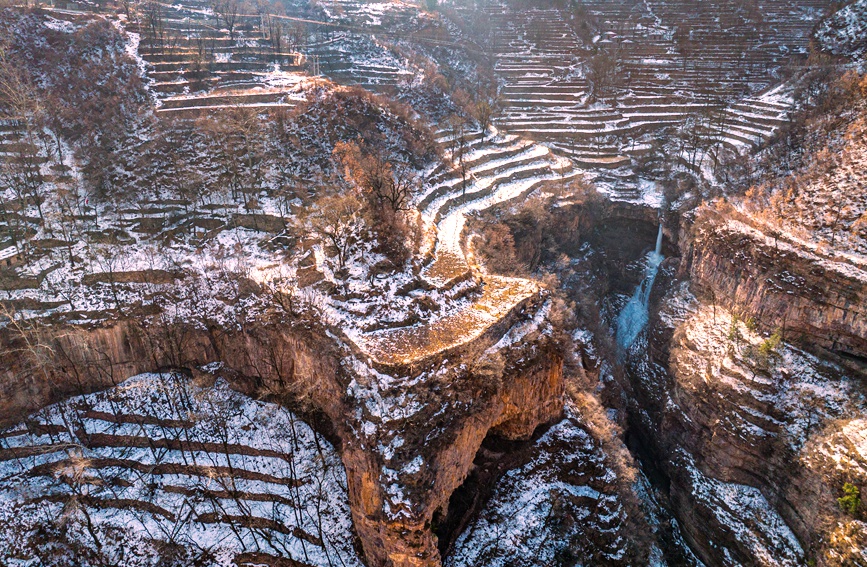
x: 194, y: 65
x: 752, y: 120
x: 354, y: 49
x: 546, y: 61
x: 373, y: 15
x: 499, y: 296
x: 159, y: 465
x: 496, y: 169
x: 358, y: 59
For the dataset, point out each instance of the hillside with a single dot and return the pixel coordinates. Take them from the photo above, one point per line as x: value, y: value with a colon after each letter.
x: 136, y: 475
x: 843, y: 33
x: 398, y: 284
x: 822, y: 204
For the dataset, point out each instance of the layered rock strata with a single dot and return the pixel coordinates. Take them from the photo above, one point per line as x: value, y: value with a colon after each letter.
x: 407, y: 434
x: 815, y: 299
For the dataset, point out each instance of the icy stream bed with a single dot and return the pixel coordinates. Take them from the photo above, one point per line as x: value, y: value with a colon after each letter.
x: 634, y: 315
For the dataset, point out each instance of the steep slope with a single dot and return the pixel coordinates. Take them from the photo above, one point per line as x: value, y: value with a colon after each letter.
x: 743, y: 418
x: 817, y: 298
x: 749, y: 396
x: 798, y: 243
x: 411, y: 403
x: 429, y: 374
x: 184, y: 280
x: 556, y: 508
x: 162, y: 468
x: 843, y: 33
x: 199, y: 60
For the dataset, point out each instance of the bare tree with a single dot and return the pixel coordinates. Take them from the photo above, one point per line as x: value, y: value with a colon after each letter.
x: 238, y: 142
x: 483, y: 112
x: 154, y: 25
x: 297, y: 36
x: 458, y: 146
x: 108, y: 261
x: 229, y: 12
x: 337, y: 221
x: 601, y: 73
x: 400, y: 188
x: 21, y: 172
x: 839, y: 211
x: 682, y: 38
x: 64, y: 220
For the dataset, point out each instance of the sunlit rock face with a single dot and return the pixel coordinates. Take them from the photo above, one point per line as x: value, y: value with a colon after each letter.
x: 818, y: 300
x: 416, y: 433
x: 441, y: 401
x: 407, y: 435
x: 750, y: 424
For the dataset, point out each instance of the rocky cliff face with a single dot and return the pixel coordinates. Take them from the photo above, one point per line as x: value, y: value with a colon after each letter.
x: 814, y: 299
x: 407, y: 435
x: 748, y: 441
x: 408, y: 451
x: 741, y: 424
x: 737, y: 422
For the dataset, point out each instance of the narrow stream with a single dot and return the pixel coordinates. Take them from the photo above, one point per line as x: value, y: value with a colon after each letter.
x: 633, y: 318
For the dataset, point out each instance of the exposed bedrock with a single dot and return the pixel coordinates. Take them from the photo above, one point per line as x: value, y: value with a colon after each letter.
x: 814, y: 301
x: 736, y: 446
x: 396, y: 498
x: 725, y: 426
x: 728, y: 431
x: 407, y: 435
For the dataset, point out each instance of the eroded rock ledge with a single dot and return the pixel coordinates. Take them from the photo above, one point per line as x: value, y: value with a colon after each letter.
x: 407, y: 434
x: 743, y: 435
x: 815, y: 300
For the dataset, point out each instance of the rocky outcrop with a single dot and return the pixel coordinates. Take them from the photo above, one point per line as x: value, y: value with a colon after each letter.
x: 556, y: 504
x: 737, y: 427
x: 816, y: 300
x: 407, y: 434
x: 398, y: 493
x: 731, y: 419
x: 843, y: 33
x: 726, y: 431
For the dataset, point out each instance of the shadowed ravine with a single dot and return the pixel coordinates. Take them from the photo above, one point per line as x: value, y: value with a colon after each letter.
x: 488, y: 283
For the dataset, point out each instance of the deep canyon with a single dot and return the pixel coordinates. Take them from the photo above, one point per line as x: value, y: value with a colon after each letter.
x: 398, y: 285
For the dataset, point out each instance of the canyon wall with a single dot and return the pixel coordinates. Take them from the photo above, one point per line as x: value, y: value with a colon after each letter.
x: 735, y: 426
x: 737, y: 445
x: 407, y: 435
x: 736, y: 440
x: 814, y: 300
x: 738, y: 436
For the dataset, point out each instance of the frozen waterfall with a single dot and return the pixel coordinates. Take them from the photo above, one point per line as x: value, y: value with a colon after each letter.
x: 633, y: 317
